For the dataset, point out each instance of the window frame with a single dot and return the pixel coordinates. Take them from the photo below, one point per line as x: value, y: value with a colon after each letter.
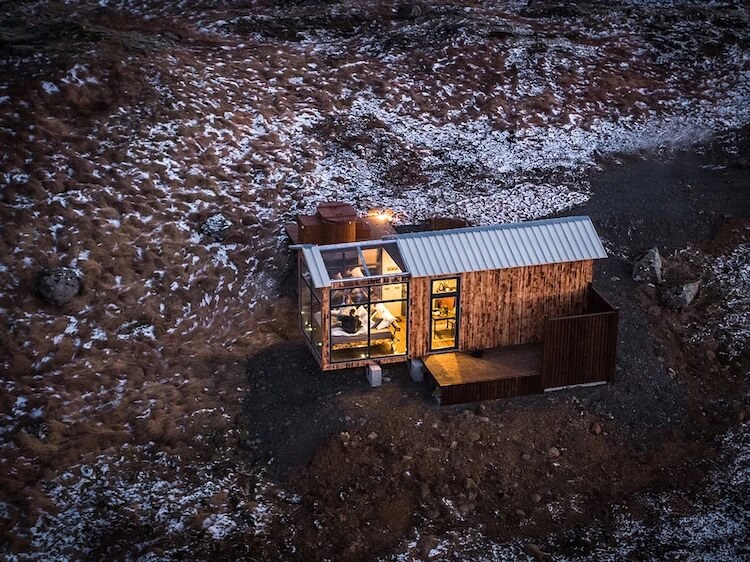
x: 368, y: 305
x: 457, y: 324
x: 313, y: 299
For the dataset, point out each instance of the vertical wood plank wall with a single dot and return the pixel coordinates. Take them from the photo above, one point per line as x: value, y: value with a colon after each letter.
x: 325, y: 317
x: 419, y: 316
x: 581, y: 349
x: 510, y: 306
x: 503, y: 307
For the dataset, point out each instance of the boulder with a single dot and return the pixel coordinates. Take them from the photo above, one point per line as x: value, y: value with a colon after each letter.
x: 59, y: 285
x: 679, y: 296
x: 216, y: 226
x: 535, y: 551
x: 425, y: 545
x: 647, y: 267
x: 410, y: 10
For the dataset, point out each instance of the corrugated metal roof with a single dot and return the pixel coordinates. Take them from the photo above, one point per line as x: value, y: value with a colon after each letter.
x: 446, y: 252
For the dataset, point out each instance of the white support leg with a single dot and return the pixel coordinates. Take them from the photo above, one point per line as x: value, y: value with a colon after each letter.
x: 416, y: 370
x: 374, y: 375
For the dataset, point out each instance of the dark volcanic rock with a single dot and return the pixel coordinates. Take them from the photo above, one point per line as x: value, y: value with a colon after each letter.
x: 410, y: 11
x: 216, y: 226
x: 679, y: 296
x: 59, y: 286
x: 647, y: 266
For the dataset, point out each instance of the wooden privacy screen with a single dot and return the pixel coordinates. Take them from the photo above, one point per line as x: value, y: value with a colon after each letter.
x: 581, y: 349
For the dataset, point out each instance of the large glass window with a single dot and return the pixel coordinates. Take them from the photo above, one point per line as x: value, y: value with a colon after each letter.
x: 317, y: 324
x: 354, y: 261
x: 444, y: 314
x: 310, y: 315
x: 369, y: 322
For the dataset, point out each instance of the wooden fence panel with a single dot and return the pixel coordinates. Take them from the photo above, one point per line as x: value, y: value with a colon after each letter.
x: 581, y: 349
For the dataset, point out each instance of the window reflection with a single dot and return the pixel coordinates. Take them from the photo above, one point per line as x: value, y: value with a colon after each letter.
x: 444, y: 314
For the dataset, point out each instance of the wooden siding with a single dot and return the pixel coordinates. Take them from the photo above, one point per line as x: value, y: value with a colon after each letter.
x: 364, y: 362
x: 488, y: 390
x: 581, y: 349
x: 419, y: 316
x: 325, y: 320
x: 510, y: 306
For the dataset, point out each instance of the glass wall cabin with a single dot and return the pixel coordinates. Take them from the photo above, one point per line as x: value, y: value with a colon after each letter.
x: 368, y: 305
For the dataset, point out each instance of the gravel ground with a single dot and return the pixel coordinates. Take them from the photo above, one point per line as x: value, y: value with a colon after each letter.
x: 373, y: 465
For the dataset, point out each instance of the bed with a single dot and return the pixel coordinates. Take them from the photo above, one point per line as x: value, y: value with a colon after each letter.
x: 380, y: 332
x: 344, y: 340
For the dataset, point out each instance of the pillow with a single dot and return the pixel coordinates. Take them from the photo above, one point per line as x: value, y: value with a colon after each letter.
x: 356, y: 272
x: 363, y: 315
x: 375, y: 319
x: 388, y: 317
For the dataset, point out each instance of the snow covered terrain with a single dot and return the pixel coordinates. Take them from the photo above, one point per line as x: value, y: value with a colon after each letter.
x: 133, y: 122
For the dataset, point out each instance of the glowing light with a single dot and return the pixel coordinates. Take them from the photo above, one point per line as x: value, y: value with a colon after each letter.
x: 381, y: 214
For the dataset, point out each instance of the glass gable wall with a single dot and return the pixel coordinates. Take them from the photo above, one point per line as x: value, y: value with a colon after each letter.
x: 355, y: 261
x: 369, y: 322
x: 366, y: 289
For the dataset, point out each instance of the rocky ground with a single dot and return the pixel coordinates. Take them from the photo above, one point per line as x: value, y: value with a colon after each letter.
x: 601, y: 473
x: 163, y: 407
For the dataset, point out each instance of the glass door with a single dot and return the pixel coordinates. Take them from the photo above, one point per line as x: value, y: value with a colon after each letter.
x: 444, y: 314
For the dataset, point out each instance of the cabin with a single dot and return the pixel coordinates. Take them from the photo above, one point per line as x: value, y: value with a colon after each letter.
x: 484, y: 312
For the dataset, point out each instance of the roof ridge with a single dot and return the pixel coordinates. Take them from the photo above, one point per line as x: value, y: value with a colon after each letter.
x: 490, y: 227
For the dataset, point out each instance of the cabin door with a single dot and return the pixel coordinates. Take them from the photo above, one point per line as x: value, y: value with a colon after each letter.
x: 444, y: 314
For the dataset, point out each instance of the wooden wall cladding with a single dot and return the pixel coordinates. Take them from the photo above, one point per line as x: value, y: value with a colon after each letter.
x: 581, y: 349
x: 510, y: 306
x: 325, y: 308
x: 419, y: 316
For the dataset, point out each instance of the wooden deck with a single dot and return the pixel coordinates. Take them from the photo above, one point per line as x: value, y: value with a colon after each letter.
x: 501, y: 372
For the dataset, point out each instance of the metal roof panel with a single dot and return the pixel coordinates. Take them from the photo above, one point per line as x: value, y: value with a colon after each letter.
x: 445, y: 252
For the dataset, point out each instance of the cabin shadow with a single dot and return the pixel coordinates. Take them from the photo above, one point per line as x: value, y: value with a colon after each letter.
x: 292, y: 407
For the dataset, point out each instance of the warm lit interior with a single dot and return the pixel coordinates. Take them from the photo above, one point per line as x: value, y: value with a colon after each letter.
x: 354, y: 260
x: 444, y: 314
x: 368, y: 322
